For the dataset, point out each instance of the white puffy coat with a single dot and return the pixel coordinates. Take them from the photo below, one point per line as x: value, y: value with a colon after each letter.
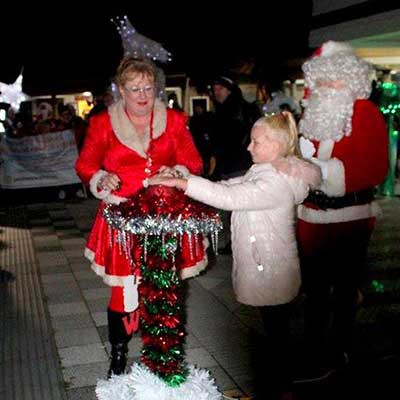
x: 265, y: 261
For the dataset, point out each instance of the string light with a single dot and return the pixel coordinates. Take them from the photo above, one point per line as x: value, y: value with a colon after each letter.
x: 138, y: 45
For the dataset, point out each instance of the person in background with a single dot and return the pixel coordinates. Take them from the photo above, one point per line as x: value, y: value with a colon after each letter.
x: 69, y: 120
x: 273, y: 100
x: 345, y: 134
x: 44, y: 122
x: 173, y: 102
x: 266, y: 272
x: 102, y: 102
x: 135, y: 138
x: 200, y: 126
x: 230, y: 135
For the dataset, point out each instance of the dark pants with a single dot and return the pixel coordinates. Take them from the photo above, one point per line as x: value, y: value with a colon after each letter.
x: 333, y: 264
x: 275, y: 363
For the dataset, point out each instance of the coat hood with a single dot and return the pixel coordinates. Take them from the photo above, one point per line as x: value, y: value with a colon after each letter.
x: 302, y: 175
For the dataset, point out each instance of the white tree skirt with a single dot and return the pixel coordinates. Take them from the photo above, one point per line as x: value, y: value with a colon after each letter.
x: 141, y: 384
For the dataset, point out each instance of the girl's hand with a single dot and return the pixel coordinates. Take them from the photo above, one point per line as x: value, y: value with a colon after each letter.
x: 170, y: 182
x: 109, y: 182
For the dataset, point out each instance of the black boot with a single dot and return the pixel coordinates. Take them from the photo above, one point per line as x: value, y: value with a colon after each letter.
x: 119, y: 339
x: 119, y: 354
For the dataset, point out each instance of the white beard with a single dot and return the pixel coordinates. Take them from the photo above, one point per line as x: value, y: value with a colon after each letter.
x: 328, y: 114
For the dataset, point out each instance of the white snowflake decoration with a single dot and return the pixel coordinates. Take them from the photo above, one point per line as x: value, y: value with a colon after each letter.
x: 12, y: 94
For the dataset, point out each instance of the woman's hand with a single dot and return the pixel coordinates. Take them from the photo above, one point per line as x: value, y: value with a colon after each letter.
x: 109, y: 182
x: 168, y: 172
x: 170, y: 182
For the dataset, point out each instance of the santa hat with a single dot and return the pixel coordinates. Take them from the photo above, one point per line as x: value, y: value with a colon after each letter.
x: 331, y: 48
x: 338, y: 61
x: 327, y: 49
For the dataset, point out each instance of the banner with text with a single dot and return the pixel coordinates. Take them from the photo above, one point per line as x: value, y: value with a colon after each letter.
x: 38, y: 161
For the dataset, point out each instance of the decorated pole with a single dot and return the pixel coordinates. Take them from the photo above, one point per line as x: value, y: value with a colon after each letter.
x: 166, y: 223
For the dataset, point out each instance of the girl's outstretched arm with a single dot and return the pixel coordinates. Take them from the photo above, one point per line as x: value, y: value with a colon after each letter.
x: 178, y: 183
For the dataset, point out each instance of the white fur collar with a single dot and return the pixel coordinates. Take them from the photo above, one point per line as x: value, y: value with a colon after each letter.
x: 126, y: 132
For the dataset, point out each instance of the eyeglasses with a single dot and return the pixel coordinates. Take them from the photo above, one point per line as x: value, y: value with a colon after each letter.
x: 136, y: 91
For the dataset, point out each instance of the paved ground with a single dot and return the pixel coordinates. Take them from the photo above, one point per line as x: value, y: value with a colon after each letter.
x: 53, y: 334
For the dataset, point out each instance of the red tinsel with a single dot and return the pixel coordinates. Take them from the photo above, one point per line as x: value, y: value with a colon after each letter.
x: 162, y: 342
x: 162, y: 200
x: 168, y: 368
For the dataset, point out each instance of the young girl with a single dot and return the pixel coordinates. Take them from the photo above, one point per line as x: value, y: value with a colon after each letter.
x: 263, y: 202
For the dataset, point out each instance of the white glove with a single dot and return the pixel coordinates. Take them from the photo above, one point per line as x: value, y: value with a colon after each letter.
x: 323, y: 165
x: 307, y: 147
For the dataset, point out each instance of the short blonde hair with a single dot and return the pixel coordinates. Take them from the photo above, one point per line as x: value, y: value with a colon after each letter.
x: 130, y: 66
x: 284, y: 129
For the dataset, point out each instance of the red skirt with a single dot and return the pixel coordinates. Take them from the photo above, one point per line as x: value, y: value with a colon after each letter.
x: 110, y: 261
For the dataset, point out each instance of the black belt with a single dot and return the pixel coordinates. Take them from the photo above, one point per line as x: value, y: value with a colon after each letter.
x: 324, y: 201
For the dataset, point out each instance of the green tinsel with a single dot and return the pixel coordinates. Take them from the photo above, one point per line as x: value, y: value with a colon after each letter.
x: 160, y: 278
x: 176, y: 379
x: 157, y: 330
x: 175, y: 353
x: 162, y: 307
x: 168, y: 282
x: 159, y: 247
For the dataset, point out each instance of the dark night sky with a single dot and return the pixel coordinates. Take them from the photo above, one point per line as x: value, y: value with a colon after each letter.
x: 74, y: 47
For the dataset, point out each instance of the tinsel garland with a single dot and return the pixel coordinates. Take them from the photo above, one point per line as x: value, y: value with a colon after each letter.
x: 161, y: 312
x: 162, y: 218
x: 161, y: 211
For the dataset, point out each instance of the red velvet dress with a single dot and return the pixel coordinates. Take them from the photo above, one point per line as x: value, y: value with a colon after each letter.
x: 103, y: 150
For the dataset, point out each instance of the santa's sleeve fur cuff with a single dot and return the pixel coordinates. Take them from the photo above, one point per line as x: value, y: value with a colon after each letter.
x: 334, y: 184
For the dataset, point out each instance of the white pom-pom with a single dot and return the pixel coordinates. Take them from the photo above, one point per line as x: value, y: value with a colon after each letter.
x: 330, y: 48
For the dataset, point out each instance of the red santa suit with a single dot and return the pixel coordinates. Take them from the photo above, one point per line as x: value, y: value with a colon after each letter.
x: 354, y: 165
x: 335, y: 224
x: 113, y: 146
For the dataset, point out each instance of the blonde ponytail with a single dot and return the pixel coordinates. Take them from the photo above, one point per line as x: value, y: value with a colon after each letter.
x: 293, y: 135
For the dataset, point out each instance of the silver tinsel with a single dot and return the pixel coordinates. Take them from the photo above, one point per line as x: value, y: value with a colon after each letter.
x: 122, y: 228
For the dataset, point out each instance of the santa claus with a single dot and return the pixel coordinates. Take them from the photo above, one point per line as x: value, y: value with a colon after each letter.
x: 345, y: 134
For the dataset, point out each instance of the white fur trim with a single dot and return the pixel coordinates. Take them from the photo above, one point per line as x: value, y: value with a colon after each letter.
x: 93, y: 185
x: 100, y: 270
x: 340, y: 215
x: 334, y: 184
x: 331, y: 48
x: 141, y: 384
x: 103, y: 194
x: 195, y: 270
x: 126, y: 132
x: 325, y: 149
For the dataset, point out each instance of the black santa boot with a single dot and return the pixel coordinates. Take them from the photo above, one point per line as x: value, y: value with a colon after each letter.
x: 119, y: 339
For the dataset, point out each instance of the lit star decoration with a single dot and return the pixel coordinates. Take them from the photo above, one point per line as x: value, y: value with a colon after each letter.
x: 138, y: 45
x: 12, y: 94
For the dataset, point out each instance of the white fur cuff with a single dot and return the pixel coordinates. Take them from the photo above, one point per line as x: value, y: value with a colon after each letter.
x: 93, y: 184
x: 334, y: 184
x: 103, y: 194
